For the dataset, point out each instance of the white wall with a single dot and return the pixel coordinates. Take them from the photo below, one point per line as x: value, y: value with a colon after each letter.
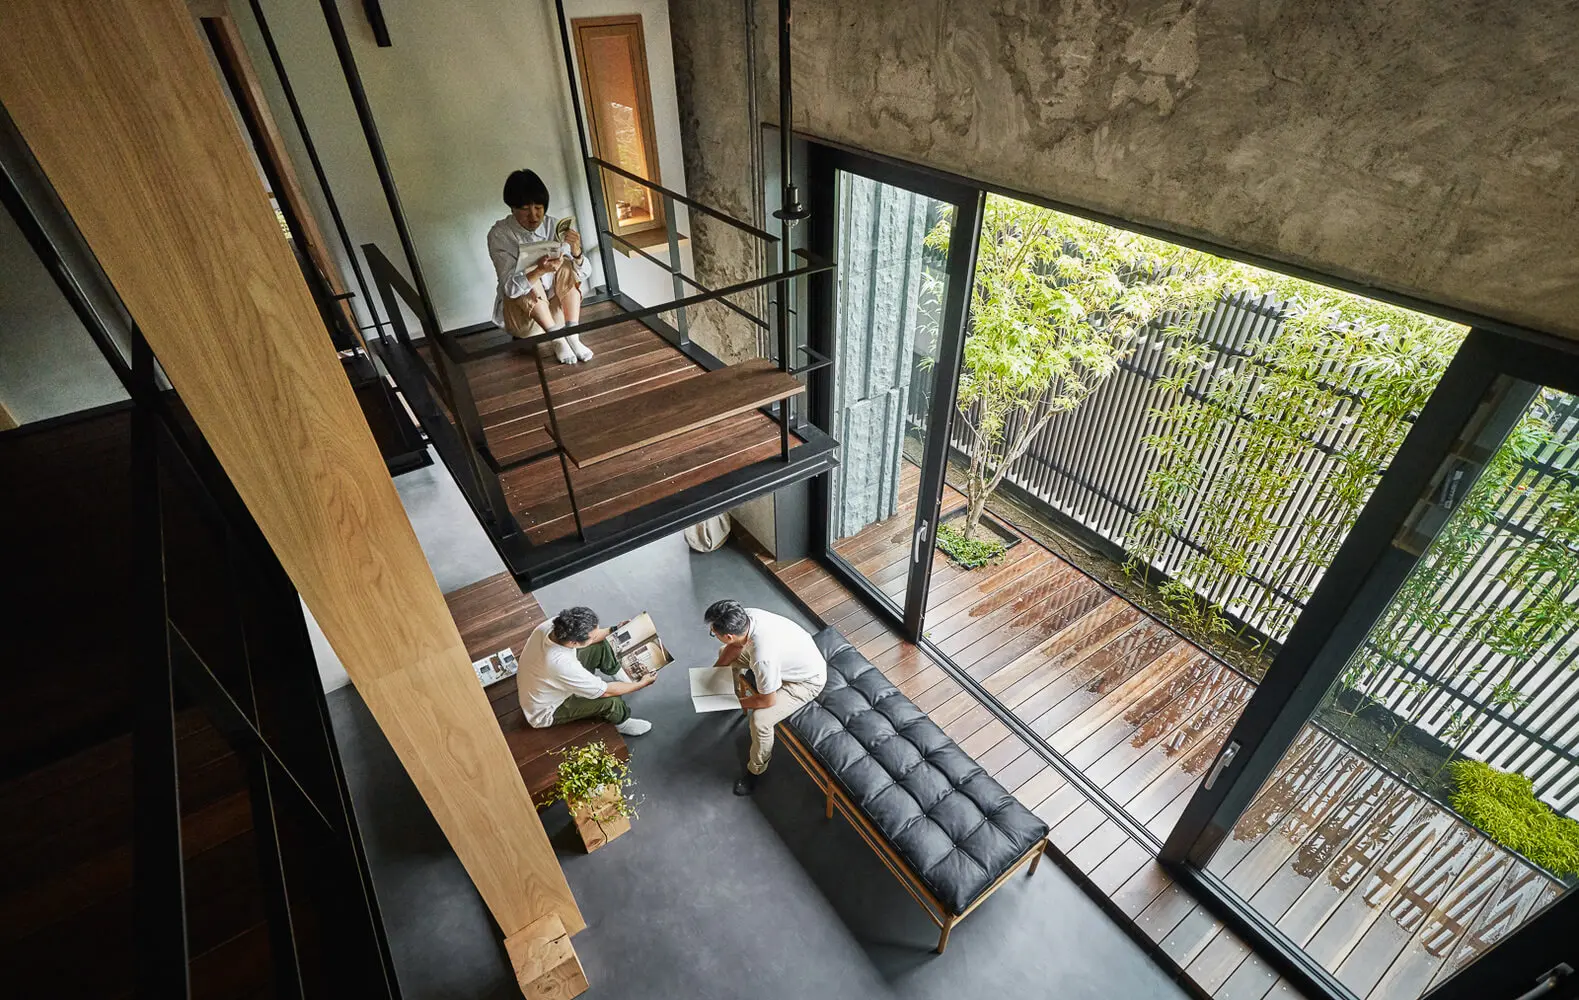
x: 469, y: 91
x: 48, y: 364
x: 641, y: 279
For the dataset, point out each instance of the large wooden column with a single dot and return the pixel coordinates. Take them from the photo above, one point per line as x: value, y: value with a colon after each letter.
x: 119, y: 104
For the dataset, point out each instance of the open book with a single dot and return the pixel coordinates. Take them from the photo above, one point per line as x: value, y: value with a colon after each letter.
x: 713, y: 689
x: 637, y: 646
x: 531, y: 253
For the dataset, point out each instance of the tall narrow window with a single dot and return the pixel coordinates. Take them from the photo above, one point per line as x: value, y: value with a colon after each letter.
x: 612, y: 52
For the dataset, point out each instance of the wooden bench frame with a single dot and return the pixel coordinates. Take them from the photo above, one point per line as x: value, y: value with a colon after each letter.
x: 837, y: 799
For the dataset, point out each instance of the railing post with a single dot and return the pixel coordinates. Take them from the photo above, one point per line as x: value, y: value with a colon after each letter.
x: 673, y: 229
x: 790, y: 212
x: 559, y: 447
x: 601, y: 224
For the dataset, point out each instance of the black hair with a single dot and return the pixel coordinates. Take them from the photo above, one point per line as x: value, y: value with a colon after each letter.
x: 727, y: 618
x: 523, y: 187
x: 573, y: 625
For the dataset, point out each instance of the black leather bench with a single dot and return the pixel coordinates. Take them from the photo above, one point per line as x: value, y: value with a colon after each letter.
x: 945, y: 828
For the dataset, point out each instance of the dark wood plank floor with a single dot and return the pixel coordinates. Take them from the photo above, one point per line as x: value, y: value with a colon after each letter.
x: 628, y: 358
x: 1387, y: 889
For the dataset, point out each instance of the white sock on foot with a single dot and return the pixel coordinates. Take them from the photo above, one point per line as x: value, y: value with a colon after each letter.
x: 633, y: 727
x: 562, y: 349
x: 583, y: 352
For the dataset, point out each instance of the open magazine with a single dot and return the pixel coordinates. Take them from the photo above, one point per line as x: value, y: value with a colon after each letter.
x: 637, y: 646
x: 530, y: 253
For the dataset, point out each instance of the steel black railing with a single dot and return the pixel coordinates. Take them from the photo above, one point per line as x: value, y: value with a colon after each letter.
x: 445, y: 367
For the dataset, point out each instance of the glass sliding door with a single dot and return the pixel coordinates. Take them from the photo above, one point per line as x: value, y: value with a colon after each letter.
x: 1411, y: 802
x: 897, y: 309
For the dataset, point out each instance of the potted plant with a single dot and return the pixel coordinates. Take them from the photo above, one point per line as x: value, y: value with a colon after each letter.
x: 593, y: 783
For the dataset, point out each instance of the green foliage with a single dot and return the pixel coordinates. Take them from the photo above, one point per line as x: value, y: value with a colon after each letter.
x: 966, y: 551
x: 1288, y: 434
x: 1056, y: 302
x: 1493, y: 639
x: 1504, y: 805
x: 585, y: 771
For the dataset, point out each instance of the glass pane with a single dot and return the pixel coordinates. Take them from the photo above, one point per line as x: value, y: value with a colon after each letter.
x: 620, y: 107
x: 892, y: 252
x: 1424, y: 812
x: 1156, y: 454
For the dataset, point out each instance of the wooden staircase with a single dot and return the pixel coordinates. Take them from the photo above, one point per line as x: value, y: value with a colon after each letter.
x: 599, y: 433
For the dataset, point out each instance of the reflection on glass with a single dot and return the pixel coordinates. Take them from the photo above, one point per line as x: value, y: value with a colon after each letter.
x: 613, y: 61
x: 891, y: 281
x: 1155, y: 454
x: 1424, y: 813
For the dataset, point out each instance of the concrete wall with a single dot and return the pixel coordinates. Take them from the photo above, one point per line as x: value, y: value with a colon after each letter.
x: 470, y: 90
x: 48, y: 365
x: 1430, y: 147
x: 714, y: 103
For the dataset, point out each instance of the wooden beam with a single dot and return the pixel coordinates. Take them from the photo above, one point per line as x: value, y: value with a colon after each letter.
x: 231, y: 51
x: 121, y: 108
x: 546, y: 967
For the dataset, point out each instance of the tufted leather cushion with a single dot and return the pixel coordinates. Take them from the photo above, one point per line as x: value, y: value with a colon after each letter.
x: 956, y: 827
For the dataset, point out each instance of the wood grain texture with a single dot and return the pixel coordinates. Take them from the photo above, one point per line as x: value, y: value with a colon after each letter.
x: 545, y: 964
x: 603, y: 432
x: 120, y: 106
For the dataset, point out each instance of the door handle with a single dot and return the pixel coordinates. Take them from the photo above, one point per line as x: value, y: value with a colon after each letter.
x: 1223, y: 760
x: 915, y: 544
x: 1548, y: 982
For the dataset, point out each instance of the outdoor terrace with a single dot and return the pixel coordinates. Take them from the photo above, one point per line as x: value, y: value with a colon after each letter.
x: 1385, y: 887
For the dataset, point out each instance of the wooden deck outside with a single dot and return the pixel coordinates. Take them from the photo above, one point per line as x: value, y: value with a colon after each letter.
x: 628, y: 358
x: 1387, y: 889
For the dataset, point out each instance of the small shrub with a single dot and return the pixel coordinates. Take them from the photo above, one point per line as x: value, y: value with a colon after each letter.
x: 1503, y: 804
x: 968, y: 552
x: 585, y: 770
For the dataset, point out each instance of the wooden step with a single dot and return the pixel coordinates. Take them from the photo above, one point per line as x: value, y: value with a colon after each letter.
x: 608, y: 430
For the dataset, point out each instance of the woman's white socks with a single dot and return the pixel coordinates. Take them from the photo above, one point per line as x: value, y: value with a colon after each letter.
x: 562, y: 348
x: 583, y: 352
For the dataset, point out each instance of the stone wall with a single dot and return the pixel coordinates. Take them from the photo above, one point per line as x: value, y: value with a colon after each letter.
x: 880, y: 283
x: 1430, y: 147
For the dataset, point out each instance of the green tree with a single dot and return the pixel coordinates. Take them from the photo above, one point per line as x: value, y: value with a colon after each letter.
x: 1282, y: 439
x: 1055, y: 305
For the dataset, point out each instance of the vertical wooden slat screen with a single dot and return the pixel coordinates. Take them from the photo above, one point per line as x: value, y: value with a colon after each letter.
x: 120, y: 106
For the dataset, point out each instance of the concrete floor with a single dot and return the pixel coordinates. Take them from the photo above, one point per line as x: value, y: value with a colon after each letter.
x: 713, y: 896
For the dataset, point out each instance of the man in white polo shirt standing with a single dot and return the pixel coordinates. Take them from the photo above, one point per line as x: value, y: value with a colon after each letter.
x: 786, y: 667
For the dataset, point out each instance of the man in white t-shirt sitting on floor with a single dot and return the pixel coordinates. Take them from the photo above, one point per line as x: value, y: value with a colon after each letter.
x: 786, y: 668
x: 558, y: 677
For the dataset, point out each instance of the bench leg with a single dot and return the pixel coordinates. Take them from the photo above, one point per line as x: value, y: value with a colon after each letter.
x: 1037, y: 860
x: 948, y: 925
x: 828, y: 810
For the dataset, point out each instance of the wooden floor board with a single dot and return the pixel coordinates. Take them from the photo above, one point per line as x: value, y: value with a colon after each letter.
x: 1374, y: 879
x: 628, y: 358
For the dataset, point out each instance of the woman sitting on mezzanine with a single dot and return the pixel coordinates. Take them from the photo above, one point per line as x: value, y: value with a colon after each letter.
x: 540, y: 273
